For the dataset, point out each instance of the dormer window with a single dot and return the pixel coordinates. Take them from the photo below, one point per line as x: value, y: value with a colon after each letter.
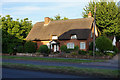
x: 73, y: 36
x: 54, y: 37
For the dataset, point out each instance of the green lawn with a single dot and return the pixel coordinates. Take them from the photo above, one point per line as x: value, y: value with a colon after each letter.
x: 50, y: 59
x: 69, y: 70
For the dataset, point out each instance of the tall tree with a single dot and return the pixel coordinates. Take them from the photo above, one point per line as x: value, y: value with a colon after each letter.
x: 13, y: 32
x: 106, y: 16
x: 58, y: 17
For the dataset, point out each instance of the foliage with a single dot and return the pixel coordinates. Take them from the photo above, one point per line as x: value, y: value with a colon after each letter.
x: 103, y: 44
x: 82, y: 52
x: 30, y: 47
x: 115, y: 49
x: 74, y: 54
x: 109, y: 54
x: 90, y: 53
x: 13, y: 32
x: 20, y: 49
x: 97, y: 53
x: 58, y: 17
x: 43, y: 49
x: 107, y: 16
x: 76, y: 48
x: 63, y: 48
x: 91, y: 46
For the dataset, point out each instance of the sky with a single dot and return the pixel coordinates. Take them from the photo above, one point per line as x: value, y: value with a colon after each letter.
x: 36, y: 10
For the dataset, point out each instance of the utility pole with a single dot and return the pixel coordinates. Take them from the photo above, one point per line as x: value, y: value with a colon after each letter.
x: 94, y: 34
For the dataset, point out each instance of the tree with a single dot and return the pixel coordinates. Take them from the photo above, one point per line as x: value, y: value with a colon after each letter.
x: 106, y: 17
x: 103, y: 44
x: 13, y: 32
x: 58, y: 17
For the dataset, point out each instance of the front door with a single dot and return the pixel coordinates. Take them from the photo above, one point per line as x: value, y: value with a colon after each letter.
x: 55, y: 48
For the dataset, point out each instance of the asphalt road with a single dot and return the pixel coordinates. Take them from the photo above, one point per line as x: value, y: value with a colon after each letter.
x: 80, y: 65
x: 16, y: 73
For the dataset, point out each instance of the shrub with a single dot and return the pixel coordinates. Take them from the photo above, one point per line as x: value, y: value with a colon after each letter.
x: 20, y: 49
x: 30, y: 47
x: 115, y: 49
x: 90, y: 53
x: 43, y: 49
x: 97, y: 53
x: 109, y: 54
x: 103, y: 44
x: 74, y: 54
x: 91, y: 46
x: 63, y: 48
x: 82, y: 52
x: 76, y: 48
x: 10, y: 51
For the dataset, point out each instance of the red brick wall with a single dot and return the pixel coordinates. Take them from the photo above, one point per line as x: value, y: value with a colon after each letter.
x: 76, y: 42
x: 64, y: 42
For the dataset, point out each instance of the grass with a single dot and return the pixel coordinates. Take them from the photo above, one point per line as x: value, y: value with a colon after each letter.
x: 104, y: 73
x: 51, y: 59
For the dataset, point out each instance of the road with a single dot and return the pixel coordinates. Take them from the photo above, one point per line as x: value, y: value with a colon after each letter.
x: 80, y: 65
x: 16, y: 73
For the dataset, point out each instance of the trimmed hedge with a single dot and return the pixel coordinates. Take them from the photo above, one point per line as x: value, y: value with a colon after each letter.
x: 30, y: 47
x: 20, y: 49
x: 43, y: 49
x: 103, y: 44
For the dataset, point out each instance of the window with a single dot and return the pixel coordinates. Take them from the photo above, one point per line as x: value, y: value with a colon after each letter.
x: 54, y: 37
x: 70, y: 45
x: 82, y: 45
x: 73, y: 37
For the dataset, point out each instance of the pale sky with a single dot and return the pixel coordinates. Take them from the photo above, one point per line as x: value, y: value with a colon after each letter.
x: 36, y: 10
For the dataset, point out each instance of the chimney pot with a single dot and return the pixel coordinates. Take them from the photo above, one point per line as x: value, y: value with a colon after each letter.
x: 47, y: 20
x: 89, y: 14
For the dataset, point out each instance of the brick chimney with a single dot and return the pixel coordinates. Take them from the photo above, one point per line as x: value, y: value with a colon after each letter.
x: 89, y: 14
x: 47, y: 20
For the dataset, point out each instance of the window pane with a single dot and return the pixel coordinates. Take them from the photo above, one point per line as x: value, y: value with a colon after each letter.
x: 70, y: 45
x: 82, y: 45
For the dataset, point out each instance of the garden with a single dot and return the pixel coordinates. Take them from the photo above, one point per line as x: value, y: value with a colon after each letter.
x: 105, y: 50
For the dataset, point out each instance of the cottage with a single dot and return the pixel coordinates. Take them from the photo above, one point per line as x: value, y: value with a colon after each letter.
x: 72, y: 32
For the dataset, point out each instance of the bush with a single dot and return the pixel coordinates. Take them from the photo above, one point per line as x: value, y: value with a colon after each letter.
x: 74, y: 54
x: 97, y: 53
x: 90, y: 53
x: 115, y: 49
x: 104, y: 44
x: 20, y: 49
x: 82, y: 52
x: 109, y: 54
x: 63, y: 48
x: 91, y: 46
x: 30, y: 47
x: 76, y: 48
x: 43, y: 49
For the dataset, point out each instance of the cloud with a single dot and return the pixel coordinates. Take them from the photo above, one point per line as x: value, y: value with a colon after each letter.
x: 30, y: 9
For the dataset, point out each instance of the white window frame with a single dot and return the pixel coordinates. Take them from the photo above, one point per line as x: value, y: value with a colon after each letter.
x: 70, y: 45
x: 82, y: 45
x: 54, y: 37
x: 74, y: 37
